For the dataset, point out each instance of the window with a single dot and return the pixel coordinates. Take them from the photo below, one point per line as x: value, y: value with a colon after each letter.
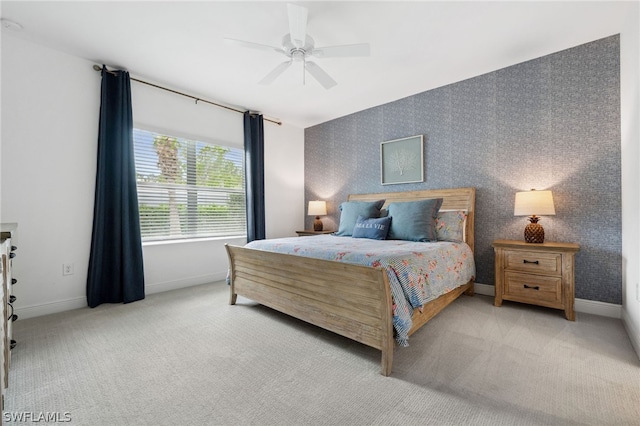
x: 188, y: 189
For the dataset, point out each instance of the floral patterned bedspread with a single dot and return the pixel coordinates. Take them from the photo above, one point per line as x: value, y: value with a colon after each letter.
x: 418, y: 272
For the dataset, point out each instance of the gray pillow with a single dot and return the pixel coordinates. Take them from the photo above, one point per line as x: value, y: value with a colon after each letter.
x: 414, y: 220
x: 450, y: 226
x: 350, y: 210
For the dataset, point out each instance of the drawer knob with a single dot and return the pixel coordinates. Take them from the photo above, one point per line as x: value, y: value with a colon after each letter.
x: 537, y: 287
x: 12, y: 317
x: 531, y: 261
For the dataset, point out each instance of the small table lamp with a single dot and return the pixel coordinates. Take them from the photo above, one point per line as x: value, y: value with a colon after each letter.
x: 317, y: 209
x: 532, y: 203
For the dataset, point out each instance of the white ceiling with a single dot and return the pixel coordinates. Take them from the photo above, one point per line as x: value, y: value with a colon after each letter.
x: 415, y: 46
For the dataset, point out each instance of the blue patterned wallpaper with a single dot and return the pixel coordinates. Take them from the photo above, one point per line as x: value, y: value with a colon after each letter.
x: 549, y: 123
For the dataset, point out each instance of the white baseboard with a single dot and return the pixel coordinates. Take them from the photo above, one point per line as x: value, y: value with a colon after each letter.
x: 25, y: 312
x: 484, y: 289
x: 580, y: 305
x: 33, y: 311
x: 632, y: 331
x: 603, y: 309
x: 182, y: 283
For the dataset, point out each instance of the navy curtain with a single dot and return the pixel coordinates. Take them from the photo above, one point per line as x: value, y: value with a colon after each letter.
x: 254, y: 175
x: 115, y: 262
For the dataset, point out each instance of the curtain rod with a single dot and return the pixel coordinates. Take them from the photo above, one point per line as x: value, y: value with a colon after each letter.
x: 99, y: 68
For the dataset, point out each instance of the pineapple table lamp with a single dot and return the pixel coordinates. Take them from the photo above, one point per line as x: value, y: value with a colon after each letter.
x: 533, y: 203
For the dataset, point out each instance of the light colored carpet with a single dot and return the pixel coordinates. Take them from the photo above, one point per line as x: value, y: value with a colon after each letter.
x: 186, y: 357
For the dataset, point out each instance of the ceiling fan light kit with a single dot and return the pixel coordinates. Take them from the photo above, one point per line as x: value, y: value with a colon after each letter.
x: 298, y: 47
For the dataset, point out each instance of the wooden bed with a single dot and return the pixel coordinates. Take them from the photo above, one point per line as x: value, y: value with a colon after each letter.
x: 312, y: 289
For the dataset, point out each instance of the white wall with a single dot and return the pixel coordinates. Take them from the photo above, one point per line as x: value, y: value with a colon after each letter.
x: 284, y: 192
x: 50, y: 107
x: 630, y: 132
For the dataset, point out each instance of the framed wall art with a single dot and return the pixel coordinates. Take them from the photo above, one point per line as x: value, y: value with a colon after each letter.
x: 402, y: 160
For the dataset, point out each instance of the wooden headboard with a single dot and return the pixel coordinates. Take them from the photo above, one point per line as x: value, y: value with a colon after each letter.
x: 452, y: 199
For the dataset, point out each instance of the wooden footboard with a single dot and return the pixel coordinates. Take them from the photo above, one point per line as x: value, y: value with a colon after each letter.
x: 321, y: 292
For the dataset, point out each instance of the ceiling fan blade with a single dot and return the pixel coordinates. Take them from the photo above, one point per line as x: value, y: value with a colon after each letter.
x: 275, y: 73
x: 252, y: 45
x: 297, y: 24
x: 319, y: 74
x: 342, y: 51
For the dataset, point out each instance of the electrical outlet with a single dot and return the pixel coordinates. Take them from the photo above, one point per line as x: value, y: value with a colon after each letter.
x: 67, y: 269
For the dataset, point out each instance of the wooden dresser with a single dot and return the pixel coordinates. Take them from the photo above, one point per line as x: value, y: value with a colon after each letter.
x: 7, y: 253
x: 538, y: 274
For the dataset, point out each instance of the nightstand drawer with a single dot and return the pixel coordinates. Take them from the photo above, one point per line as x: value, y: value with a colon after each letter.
x: 530, y: 261
x: 529, y: 287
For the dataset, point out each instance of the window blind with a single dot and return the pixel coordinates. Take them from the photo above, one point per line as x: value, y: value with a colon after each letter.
x: 187, y: 188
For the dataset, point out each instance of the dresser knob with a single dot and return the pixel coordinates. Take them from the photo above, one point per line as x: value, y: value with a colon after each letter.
x: 531, y: 261
x: 13, y: 316
x: 537, y: 287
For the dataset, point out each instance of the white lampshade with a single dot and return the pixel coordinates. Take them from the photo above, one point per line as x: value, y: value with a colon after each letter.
x: 317, y: 208
x: 534, y: 203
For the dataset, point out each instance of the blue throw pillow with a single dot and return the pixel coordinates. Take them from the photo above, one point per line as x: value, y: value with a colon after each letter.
x: 350, y: 210
x: 374, y: 228
x: 414, y: 220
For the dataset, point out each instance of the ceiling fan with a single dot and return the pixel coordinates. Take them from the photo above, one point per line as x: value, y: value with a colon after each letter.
x: 298, y: 46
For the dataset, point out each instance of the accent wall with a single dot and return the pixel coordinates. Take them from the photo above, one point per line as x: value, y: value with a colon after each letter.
x: 548, y: 123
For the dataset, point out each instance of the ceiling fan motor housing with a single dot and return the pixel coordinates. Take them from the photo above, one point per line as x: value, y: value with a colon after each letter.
x: 294, y: 52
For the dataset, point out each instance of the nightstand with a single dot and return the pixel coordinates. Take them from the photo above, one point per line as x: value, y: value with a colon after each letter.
x: 312, y: 232
x: 538, y: 274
